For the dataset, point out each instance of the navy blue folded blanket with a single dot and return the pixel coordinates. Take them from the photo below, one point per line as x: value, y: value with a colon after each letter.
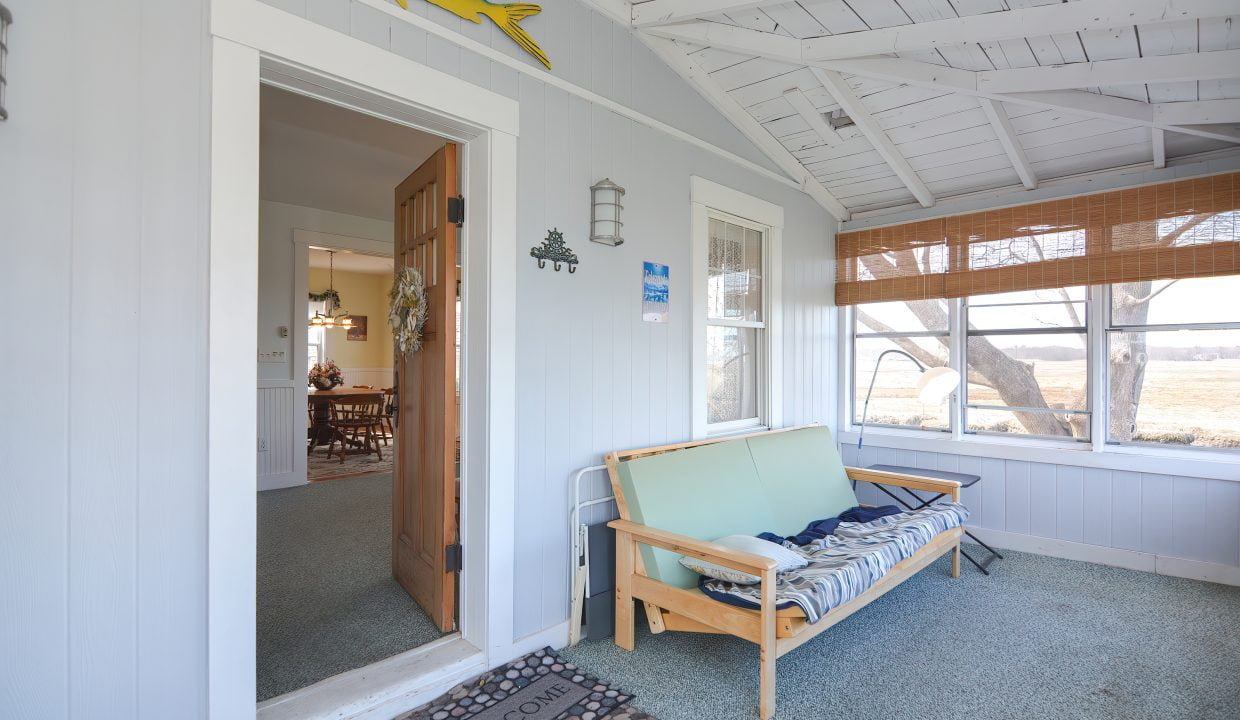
x: 819, y: 529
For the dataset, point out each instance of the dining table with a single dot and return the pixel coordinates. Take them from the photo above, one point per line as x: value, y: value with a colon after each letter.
x: 319, y: 403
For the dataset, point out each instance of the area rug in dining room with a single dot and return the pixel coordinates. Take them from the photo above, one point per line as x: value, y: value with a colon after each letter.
x: 321, y: 467
x: 539, y: 686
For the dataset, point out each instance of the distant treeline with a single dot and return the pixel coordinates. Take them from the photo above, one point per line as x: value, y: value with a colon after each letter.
x: 1057, y: 352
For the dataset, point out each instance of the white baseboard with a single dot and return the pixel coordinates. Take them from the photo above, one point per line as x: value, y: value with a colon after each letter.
x: 1114, y: 557
x: 275, y: 481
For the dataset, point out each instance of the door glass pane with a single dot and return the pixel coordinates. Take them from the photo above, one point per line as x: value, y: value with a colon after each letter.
x: 734, y: 272
x: 731, y: 373
x: 1175, y: 387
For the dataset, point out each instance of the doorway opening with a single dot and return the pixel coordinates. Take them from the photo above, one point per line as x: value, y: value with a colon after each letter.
x: 358, y: 455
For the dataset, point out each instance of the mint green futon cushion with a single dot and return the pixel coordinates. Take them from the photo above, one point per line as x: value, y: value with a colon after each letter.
x: 777, y: 483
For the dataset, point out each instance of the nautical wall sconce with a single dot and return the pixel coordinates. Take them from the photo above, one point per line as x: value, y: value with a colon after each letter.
x: 605, y: 207
x: 553, y: 249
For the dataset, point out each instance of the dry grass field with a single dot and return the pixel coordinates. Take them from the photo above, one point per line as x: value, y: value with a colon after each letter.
x: 1181, y: 401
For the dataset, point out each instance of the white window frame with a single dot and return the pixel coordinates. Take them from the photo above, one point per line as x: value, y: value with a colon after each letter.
x: 712, y: 200
x: 1215, y: 463
x: 961, y: 417
x: 311, y: 333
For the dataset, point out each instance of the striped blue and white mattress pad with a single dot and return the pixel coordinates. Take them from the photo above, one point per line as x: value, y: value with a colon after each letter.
x: 846, y: 564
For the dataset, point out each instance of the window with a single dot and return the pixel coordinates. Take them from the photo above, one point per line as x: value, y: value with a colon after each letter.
x: 1027, y: 357
x: 316, y: 350
x: 1174, y: 362
x: 917, y: 327
x: 735, y: 325
x: 735, y: 316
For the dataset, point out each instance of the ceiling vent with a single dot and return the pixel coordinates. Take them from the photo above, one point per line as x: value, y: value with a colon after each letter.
x: 838, y: 119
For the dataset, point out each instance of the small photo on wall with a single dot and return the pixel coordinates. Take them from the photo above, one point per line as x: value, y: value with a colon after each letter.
x: 654, y: 292
x: 358, y: 331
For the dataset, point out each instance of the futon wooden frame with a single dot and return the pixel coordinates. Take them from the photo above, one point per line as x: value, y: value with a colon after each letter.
x: 776, y: 632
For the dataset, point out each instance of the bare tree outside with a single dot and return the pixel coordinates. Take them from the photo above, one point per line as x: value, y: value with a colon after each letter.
x: 1049, y: 378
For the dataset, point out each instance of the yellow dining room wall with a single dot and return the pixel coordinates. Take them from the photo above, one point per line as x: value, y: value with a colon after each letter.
x: 360, y: 294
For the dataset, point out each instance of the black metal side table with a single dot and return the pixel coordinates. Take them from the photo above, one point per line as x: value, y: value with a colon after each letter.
x: 965, y: 480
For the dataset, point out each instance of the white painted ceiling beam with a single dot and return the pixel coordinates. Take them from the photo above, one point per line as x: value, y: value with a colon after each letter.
x: 1007, y: 138
x: 665, y: 12
x: 1012, y: 24
x: 700, y: 80
x: 1197, y: 112
x: 1217, y: 65
x: 812, y: 116
x: 937, y: 77
x: 1160, y: 147
x: 843, y: 94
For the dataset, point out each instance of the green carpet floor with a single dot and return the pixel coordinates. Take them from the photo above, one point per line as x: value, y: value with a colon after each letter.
x: 327, y: 602
x: 1040, y: 638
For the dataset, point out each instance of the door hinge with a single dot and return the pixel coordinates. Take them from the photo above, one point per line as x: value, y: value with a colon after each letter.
x: 456, y: 210
x: 452, y: 557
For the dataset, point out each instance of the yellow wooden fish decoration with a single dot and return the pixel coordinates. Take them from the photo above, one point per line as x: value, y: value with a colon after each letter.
x: 505, y: 17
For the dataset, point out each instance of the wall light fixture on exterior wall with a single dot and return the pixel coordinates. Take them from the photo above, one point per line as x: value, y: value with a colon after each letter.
x: 605, y: 207
x: 6, y: 19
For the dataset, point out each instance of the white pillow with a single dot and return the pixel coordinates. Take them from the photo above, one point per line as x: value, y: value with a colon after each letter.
x: 787, y: 559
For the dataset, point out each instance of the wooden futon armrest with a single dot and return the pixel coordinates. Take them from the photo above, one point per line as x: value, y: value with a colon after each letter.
x: 912, y: 482
x: 701, y: 549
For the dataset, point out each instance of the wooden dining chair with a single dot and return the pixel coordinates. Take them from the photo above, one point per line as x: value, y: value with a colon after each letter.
x: 355, y: 424
x: 388, y: 411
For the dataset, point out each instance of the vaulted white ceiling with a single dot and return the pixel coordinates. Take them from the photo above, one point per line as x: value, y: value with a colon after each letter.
x: 952, y: 97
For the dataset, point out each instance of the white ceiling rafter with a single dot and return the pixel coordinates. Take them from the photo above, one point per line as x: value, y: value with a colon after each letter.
x: 843, y: 94
x: 700, y: 80
x: 664, y: 12
x: 796, y: 98
x: 1006, y: 25
x: 1197, y: 112
x: 967, y: 82
x: 1159, y: 141
x: 1217, y: 65
x: 1002, y: 125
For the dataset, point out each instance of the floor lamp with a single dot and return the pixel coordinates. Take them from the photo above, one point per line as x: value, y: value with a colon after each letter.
x: 933, y: 385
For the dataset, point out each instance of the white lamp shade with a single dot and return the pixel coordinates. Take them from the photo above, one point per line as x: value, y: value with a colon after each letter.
x: 936, y: 384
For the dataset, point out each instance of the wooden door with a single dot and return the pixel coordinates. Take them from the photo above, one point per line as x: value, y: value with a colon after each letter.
x: 424, y: 521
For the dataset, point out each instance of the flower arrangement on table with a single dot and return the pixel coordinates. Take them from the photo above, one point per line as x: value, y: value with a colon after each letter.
x: 326, y: 375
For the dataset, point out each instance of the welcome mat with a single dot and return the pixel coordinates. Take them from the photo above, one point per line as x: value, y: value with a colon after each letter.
x: 539, y: 686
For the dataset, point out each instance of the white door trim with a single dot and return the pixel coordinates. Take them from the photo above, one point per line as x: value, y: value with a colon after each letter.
x: 254, y: 43
x: 302, y: 240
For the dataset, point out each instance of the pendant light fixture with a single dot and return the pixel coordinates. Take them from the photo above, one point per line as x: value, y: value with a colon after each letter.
x: 331, y: 319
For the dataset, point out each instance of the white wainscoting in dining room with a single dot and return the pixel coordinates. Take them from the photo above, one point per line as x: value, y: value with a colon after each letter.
x: 376, y: 377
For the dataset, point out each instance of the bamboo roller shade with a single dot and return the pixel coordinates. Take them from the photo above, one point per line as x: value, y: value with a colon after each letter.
x: 1182, y: 229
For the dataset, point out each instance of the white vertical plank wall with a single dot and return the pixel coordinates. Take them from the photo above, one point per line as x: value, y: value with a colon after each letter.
x: 592, y: 376
x: 1156, y: 520
x: 103, y: 528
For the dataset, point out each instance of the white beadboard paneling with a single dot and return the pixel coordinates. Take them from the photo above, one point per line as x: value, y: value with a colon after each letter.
x: 1069, y: 503
x: 1156, y: 498
x: 277, y: 410
x: 1096, y: 506
x: 1222, y: 519
x: 1126, y: 501
x: 994, y: 494
x: 1017, y: 498
x: 1042, y: 505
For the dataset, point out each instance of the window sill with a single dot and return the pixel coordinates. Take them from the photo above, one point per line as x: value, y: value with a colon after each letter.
x: 1219, y: 465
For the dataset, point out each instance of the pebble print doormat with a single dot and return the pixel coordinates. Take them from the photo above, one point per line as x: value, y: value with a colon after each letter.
x: 539, y: 686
